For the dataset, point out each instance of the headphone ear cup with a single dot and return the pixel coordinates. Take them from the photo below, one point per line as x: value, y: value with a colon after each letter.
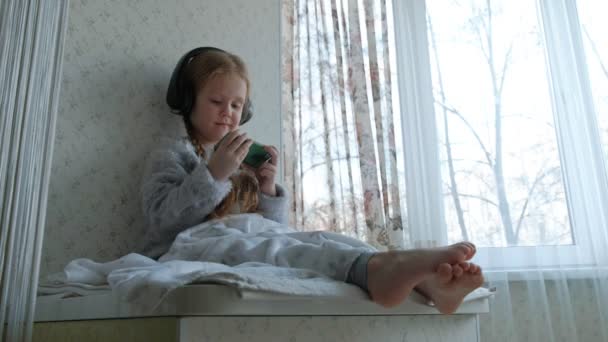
x: 247, y: 112
x: 180, y: 96
x: 187, y: 103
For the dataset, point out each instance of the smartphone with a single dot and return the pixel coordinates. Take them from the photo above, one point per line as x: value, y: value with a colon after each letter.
x: 256, y: 156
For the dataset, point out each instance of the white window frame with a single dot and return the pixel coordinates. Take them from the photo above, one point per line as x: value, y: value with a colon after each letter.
x: 580, y: 157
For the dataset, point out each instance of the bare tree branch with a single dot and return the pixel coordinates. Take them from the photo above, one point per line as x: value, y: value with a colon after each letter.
x: 483, y: 199
x: 596, y: 53
x: 505, y: 66
x: 312, y: 166
x: 481, y: 162
x: 542, y: 173
x: 466, y: 122
x: 478, y: 23
x: 332, y: 128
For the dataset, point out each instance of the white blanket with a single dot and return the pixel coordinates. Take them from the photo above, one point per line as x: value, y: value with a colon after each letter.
x: 146, y: 282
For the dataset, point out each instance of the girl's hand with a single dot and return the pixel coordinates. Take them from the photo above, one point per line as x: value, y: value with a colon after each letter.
x: 229, y: 155
x: 267, y: 172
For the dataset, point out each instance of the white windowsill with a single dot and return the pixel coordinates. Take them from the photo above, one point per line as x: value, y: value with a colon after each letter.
x: 220, y: 300
x: 524, y: 274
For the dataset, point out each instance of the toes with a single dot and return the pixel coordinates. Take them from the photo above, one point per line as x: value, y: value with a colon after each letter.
x: 474, y: 269
x: 476, y: 280
x: 444, y: 272
x: 467, y: 248
x: 472, y: 249
x: 465, y: 266
x: 457, y: 271
x: 462, y: 248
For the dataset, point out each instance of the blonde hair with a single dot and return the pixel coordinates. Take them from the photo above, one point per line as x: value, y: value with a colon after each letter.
x: 198, y: 72
x: 244, y: 192
x: 207, y: 65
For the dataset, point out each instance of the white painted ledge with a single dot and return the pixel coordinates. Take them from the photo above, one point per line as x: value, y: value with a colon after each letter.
x: 219, y: 300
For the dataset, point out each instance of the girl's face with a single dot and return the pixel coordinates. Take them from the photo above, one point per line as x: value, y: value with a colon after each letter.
x: 218, y: 107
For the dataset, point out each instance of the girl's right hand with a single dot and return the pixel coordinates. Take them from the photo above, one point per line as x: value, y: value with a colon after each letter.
x: 229, y: 155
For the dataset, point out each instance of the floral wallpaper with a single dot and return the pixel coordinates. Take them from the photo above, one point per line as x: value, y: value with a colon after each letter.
x: 118, y: 58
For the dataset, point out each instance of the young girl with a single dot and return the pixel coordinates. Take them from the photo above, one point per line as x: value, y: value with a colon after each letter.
x: 187, y: 182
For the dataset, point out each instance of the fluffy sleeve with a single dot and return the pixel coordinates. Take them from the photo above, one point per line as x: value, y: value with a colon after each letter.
x: 274, y: 208
x: 178, y: 190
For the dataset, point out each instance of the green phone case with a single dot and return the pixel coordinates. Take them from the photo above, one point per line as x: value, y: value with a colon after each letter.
x: 256, y: 156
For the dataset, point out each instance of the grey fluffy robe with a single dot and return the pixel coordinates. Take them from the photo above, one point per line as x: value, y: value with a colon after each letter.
x: 178, y: 192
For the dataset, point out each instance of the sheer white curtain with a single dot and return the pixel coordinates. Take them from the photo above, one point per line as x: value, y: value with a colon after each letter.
x: 479, y: 120
x: 340, y: 151
x: 519, y: 125
x: 31, y: 50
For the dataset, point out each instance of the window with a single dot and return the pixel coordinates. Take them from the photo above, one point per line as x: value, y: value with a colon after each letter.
x: 507, y: 160
x: 592, y: 21
x: 498, y: 150
x: 517, y: 161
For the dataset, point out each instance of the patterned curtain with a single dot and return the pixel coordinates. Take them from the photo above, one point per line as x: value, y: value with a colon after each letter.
x: 340, y: 152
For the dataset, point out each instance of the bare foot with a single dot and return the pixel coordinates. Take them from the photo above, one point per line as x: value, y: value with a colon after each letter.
x: 450, y: 284
x: 393, y: 275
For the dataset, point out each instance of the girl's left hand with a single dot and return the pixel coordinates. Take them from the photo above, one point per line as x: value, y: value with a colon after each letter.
x: 266, y: 173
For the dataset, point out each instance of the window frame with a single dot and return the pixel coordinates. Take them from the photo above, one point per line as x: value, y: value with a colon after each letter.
x: 587, y: 206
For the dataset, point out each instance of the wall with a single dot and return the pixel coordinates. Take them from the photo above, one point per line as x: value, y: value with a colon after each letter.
x: 517, y: 312
x: 118, y: 58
